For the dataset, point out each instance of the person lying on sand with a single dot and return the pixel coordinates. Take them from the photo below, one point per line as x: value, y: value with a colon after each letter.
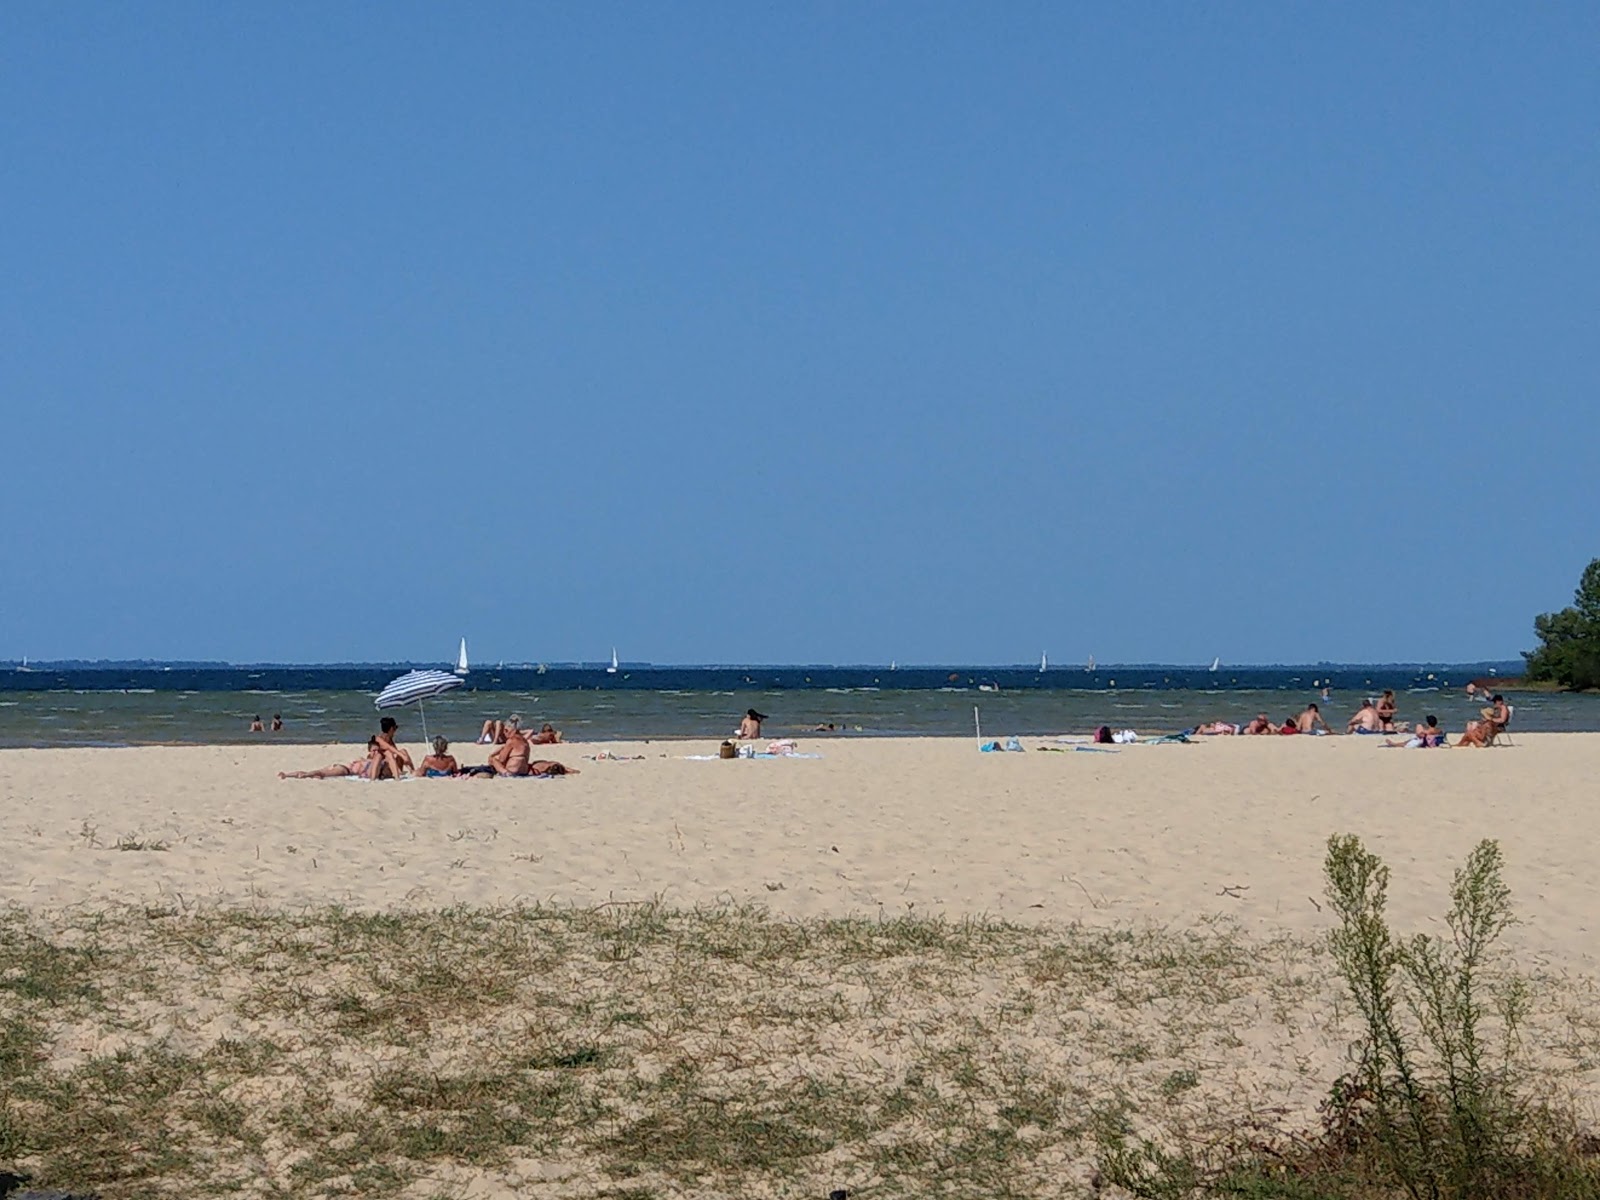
x: 1309, y: 720
x: 332, y: 771
x: 494, y: 733
x: 1216, y: 728
x: 358, y: 768
x: 548, y: 735
x: 1262, y: 724
x: 439, y: 764
x: 544, y: 768
x: 1428, y: 734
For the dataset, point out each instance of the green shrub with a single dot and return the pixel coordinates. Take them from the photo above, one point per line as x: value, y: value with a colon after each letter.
x: 1437, y: 1106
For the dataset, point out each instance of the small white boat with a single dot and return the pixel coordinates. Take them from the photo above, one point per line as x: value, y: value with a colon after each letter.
x: 892, y: 665
x: 612, y: 669
x: 1044, y: 663
x: 461, y: 659
x: 1215, y: 663
x: 1090, y: 666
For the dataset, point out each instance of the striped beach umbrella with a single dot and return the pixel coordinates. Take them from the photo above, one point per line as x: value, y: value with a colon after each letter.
x: 415, y: 687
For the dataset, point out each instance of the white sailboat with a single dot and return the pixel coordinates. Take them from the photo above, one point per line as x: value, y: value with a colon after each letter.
x: 1215, y: 663
x: 461, y: 659
x: 892, y: 665
x: 1044, y: 663
x: 612, y: 669
x: 1090, y: 666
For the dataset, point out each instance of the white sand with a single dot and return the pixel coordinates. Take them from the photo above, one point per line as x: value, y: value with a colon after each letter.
x: 1165, y: 834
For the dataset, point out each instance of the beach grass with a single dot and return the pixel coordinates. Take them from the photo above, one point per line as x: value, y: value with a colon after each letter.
x: 635, y: 1051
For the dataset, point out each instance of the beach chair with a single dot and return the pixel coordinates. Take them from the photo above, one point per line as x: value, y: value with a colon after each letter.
x: 1502, y: 735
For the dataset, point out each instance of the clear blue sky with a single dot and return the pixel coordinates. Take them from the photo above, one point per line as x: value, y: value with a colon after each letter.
x: 796, y: 332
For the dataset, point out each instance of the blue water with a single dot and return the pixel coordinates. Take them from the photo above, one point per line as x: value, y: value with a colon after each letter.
x: 150, y: 705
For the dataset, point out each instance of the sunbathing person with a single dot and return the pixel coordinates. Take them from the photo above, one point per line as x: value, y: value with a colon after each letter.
x: 1428, y: 734
x: 359, y: 768
x: 1262, y: 724
x: 750, y: 725
x: 1216, y: 728
x: 332, y: 771
x: 1493, y: 720
x: 548, y: 735
x: 396, y: 762
x: 512, y: 757
x: 1366, y: 719
x: 494, y: 733
x: 1386, y: 711
x: 439, y: 763
x: 545, y: 768
x: 1310, y: 719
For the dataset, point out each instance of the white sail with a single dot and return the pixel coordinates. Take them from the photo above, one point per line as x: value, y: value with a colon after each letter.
x: 612, y: 669
x: 1215, y: 663
x: 1090, y: 667
x: 461, y: 659
x: 1044, y: 663
x: 892, y: 665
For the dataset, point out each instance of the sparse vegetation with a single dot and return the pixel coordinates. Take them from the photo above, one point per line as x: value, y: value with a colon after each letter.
x: 1438, y: 1102
x: 635, y: 1051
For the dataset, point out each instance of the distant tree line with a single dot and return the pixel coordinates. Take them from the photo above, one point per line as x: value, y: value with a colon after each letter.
x: 1570, y: 655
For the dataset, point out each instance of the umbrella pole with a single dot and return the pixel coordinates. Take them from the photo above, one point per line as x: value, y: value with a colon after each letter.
x: 422, y: 711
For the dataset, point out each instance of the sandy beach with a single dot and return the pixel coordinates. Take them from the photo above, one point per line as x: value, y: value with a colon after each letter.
x: 1143, y: 942
x: 1169, y: 834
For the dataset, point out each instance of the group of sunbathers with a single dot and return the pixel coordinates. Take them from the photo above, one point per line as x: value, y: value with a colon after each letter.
x: 388, y: 760
x: 1375, y: 716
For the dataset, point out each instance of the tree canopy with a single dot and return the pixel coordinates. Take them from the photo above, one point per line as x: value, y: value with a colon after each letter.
x: 1570, y: 655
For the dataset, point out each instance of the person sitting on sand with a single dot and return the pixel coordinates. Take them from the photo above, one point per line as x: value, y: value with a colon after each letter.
x: 494, y: 733
x: 1366, y: 719
x: 1428, y: 734
x: 439, y: 764
x: 750, y: 726
x: 1386, y: 711
x: 1310, y: 720
x: 548, y: 735
x: 512, y: 756
x: 396, y: 762
x: 1262, y: 724
x: 1216, y: 728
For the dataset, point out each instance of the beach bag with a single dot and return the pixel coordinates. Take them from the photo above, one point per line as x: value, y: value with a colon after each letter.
x: 728, y: 750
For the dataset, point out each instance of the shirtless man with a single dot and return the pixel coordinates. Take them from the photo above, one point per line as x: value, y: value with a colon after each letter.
x: 1310, y: 720
x: 547, y: 736
x: 512, y: 756
x: 1366, y: 719
x: 1262, y: 724
x: 394, y: 762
